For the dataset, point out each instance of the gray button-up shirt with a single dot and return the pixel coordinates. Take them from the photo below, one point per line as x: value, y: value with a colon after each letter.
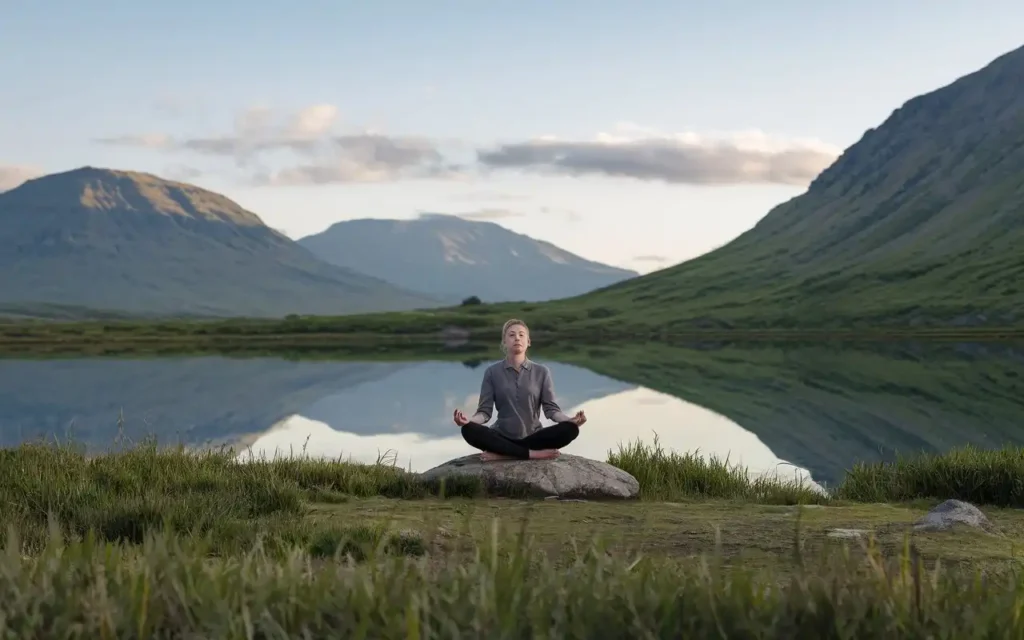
x: 519, y: 397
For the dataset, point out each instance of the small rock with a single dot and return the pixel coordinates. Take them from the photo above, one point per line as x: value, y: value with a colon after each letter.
x: 566, y: 476
x: 950, y: 513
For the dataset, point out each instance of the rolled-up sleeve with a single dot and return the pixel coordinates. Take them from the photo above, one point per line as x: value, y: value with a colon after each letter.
x: 548, y: 402
x: 485, y: 406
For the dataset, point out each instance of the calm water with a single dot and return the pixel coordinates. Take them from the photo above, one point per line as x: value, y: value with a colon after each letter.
x: 808, y: 411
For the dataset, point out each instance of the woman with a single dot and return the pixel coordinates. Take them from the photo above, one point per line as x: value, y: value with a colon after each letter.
x: 519, y: 388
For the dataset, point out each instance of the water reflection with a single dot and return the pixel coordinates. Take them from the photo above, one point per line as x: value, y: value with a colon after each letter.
x: 826, y: 406
x: 802, y: 410
x: 614, y: 419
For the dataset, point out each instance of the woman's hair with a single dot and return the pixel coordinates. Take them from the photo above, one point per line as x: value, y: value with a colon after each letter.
x: 511, y: 322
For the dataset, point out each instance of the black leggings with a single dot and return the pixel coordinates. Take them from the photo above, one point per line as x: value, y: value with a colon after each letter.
x: 486, y: 439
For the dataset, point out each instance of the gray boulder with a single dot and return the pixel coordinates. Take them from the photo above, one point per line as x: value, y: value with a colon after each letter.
x: 566, y: 476
x: 952, y: 512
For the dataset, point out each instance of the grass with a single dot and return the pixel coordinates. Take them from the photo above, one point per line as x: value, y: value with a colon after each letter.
x: 456, y: 329
x: 979, y: 476
x: 970, y: 474
x: 124, y: 495
x: 175, y: 543
x: 667, y: 475
x: 168, y: 588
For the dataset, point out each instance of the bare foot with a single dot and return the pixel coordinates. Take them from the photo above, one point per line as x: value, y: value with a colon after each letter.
x: 487, y: 456
x: 544, y: 454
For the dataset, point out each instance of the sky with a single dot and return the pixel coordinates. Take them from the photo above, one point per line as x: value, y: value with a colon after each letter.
x: 640, y: 134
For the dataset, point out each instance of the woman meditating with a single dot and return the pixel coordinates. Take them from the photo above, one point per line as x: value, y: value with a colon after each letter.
x: 519, y: 388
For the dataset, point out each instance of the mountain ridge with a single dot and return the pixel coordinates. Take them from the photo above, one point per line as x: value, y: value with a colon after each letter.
x: 125, y: 241
x: 914, y: 224
x: 448, y: 256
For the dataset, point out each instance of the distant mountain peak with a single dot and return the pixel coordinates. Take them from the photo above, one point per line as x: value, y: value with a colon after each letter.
x: 100, y: 189
x: 126, y: 242
x: 450, y: 256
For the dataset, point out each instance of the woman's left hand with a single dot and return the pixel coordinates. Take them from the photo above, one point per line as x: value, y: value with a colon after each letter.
x: 579, y: 418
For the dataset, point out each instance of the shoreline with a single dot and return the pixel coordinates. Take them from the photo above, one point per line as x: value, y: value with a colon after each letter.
x: 104, y: 338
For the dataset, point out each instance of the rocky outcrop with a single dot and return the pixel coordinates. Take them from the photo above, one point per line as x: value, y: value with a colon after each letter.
x: 951, y: 513
x: 567, y: 476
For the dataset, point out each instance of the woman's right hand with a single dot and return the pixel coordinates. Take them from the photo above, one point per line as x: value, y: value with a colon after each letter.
x: 460, y: 418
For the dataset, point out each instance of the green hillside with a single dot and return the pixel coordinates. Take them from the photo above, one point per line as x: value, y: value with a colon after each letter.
x: 918, y: 223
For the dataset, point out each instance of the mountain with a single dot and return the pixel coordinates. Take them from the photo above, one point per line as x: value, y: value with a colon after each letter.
x: 918, y: 223
x: 453, y: 258
x: 119, y: 241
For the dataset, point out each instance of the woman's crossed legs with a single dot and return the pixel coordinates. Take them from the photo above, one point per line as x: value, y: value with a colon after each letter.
x: 540, y: 444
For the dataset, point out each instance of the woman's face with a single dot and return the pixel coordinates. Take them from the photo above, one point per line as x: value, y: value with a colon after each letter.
x: 516, y: 340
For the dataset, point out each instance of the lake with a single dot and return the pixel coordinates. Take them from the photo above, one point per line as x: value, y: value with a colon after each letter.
x: 804, y: 411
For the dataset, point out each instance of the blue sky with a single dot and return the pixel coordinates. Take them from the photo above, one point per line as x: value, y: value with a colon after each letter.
x: 667, y: 128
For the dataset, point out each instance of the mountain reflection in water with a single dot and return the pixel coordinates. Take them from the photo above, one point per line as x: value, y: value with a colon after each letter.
x: 821, y: 408
x: 612, y: 420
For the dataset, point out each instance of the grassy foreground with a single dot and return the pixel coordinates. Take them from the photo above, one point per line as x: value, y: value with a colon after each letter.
x: 172, y: 543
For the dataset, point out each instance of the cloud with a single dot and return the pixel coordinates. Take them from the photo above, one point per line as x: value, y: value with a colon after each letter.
x: 491, y: 214
x: 488, y: 196
x: 182, y: 173
x: 568, y: 214
x: 687, y: 158
x: 325, y: 156
x: 262, y: 139
x: 143, y: 140
x: 313, y: 122
x: 368, y: 158
x: 12, y: 176
x: 650, y: 258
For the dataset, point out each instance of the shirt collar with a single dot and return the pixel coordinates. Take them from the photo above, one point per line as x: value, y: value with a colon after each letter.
x: 527, y: 364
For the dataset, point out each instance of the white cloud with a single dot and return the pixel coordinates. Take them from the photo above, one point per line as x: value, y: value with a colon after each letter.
x: 488, y: 215
x: 367, y: 158
x: 12, y: 176
x: 323, y: 155
x: 314, y: 121
x: 143, y: 140
x: 685, y: 158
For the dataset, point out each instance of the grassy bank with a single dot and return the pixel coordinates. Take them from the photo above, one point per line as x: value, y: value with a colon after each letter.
x: 123, y: 495
x: 122, y: 544
x: 470, y: 328
x: 980, y: 476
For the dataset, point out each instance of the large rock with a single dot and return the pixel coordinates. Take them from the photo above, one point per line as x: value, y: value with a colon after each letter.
x: 566, y: 476
x: 952, y: 512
